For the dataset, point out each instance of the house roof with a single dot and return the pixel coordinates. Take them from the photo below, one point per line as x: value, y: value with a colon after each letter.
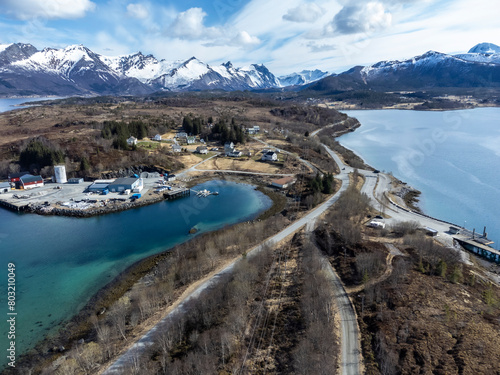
x: 125, y: 181
x: 29, y: 178
x: 270, y: 153
x: 132, y: 137
x: 284, y: 180
x: 98, y: 185
x: 18, y: 174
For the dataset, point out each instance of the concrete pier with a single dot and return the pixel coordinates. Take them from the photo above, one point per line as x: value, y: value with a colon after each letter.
x: 177, y: 193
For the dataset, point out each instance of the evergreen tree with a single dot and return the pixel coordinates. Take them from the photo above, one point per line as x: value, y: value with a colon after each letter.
x: 84, y: 164
x: 328, y: 183
x: 39, y: 153
x: 317, y: 183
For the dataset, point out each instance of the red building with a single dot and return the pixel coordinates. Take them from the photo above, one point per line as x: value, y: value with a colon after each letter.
x: 29, y: 182
x: 14, y: 177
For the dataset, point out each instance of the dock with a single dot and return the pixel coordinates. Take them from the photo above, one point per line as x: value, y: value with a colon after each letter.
x: 479, y: 246
x: 177, y: 193
x: 18, y: 207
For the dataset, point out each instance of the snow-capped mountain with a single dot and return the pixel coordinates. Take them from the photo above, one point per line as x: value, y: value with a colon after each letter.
x: 24, y: 70
x: 482, y: 52
x: 430, y: 70
x: 74, y: 70
x: 192, y: 74
x: 302, y: 78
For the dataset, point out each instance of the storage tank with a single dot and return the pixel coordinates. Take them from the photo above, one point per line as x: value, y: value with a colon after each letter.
x: 60, y: 172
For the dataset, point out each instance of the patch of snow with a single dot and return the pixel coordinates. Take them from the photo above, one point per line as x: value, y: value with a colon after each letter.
x: 3, y: 47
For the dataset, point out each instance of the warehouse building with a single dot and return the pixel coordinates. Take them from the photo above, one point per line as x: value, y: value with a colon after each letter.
x: 125, y: 183
x: 98, y: 187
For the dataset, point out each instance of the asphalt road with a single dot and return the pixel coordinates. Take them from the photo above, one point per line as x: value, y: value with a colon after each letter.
x: 310, y: 219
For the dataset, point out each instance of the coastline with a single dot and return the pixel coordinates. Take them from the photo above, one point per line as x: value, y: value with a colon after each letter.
x: 79, y: 325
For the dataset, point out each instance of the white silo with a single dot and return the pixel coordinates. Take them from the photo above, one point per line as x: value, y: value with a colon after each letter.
x: 60, y: 172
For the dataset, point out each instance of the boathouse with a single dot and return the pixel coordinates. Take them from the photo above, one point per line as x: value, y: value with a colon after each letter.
x: 14, y: 177
x: 30, y: 182
x: 283, y: 183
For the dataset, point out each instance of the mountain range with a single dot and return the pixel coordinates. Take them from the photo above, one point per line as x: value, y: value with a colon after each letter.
x: 76, y: 70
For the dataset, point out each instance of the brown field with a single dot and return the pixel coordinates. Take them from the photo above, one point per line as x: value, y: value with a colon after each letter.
x: 241, y: 164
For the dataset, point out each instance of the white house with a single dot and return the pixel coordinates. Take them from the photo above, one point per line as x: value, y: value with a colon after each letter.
x: 202, y: 150
x: 132, y: 141
x: 191, y: 140
x: 181, y: 135
x: 228, y: 148
x: 235, y: 154
x: 170, y: 177
x: 253, y: 130
x: 157, y: 137
x: 270, y: 156
x: 176, y: 148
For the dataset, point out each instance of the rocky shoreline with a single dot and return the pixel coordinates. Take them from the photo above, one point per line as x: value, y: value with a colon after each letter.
x: 104, y: 210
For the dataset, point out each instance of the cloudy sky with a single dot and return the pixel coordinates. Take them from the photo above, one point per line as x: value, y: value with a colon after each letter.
x: 286, y: 36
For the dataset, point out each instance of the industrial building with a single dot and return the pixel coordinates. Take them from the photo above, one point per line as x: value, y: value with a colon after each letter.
x: 125, y: 183
x: 75, y: 180
x: 98, y: 187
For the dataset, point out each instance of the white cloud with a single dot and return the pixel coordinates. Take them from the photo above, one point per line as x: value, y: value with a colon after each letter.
x: 361, y: 18
x: 137, y: 10
x: 189, y: 25
x: 53, y: 9
x: 244, y: 39
x: 314, y: 47
x: 310, y: 12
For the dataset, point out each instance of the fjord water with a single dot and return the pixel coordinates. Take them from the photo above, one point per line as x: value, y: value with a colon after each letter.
x: 452, y: 157
x: 15, y: 103
x: 61, y: 262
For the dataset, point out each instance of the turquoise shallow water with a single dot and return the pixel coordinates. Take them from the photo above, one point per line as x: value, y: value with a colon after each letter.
x: 452, y: 157
x: 61, y: 262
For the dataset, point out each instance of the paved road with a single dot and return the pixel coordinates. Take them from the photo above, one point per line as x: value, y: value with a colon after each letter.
x: 147, y: 340
x: 325, y: 127
x: 349, y: 327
